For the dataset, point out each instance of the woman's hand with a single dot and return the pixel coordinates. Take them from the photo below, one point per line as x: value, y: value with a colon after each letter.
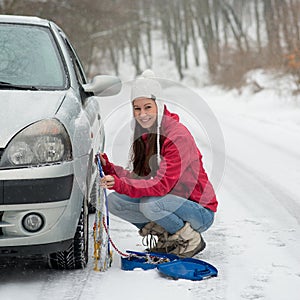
x: 107, y: 182
x: 102, y: 159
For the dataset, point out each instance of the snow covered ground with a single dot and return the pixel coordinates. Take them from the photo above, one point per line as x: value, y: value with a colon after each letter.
x: 255, y: 240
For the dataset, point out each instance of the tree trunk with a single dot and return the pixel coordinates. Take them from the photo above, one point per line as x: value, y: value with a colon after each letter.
x: 257, y: 21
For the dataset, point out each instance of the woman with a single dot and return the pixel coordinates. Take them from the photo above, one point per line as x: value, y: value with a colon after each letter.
x: 168, y: 193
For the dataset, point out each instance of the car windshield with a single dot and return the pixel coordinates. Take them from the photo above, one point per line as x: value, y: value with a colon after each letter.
x: 29, y: 57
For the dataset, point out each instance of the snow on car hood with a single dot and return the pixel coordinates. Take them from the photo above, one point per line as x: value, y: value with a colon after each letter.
x: 18, y: 109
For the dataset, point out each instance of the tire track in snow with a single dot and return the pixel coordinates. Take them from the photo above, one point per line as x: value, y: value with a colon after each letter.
x: 265, y: 139
x: 281, y: 194
x: 269, y: 154
x: 69, y: 283
x: 261, y: 242
x: 65, y: 285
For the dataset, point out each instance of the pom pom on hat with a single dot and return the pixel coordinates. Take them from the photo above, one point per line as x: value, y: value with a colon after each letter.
x: 148, y: 74
x: 146, y: 86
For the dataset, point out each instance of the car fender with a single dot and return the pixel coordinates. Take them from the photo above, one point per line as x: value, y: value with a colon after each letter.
x: 72, y: 115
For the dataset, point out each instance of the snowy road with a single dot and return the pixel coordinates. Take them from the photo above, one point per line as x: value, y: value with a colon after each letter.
x: 254, y: 242
x: 259, y: 213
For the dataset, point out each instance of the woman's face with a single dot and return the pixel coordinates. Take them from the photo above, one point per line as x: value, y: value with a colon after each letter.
x: 145, y: 111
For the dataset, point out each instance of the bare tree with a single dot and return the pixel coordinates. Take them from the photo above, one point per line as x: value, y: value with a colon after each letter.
x: 103, y: 31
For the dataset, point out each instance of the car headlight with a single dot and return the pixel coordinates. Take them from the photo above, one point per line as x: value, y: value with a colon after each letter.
x: 44, y: 142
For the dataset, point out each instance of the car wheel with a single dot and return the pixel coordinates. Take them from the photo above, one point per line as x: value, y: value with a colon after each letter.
x: 76, y: 256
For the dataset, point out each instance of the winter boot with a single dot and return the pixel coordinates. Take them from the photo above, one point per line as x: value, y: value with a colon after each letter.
x: 146, y: 229
x: 161, y: 244
x: 189, y: 241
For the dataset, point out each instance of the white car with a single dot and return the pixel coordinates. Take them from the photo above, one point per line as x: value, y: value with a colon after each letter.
x: 50, y: 131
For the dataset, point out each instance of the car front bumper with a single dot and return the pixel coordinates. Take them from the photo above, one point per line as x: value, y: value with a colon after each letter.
x: 53, y: 193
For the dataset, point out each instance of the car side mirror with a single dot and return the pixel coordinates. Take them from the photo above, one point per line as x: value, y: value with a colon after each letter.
x: 103, y: 85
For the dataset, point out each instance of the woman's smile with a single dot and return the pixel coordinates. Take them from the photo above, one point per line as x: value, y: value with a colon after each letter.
x: 145, y: 120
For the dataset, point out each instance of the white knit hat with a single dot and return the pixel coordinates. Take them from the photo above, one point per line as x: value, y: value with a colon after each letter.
x: 147, y: 86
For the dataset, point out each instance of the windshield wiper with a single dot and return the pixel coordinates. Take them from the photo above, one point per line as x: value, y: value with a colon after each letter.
x: 8, y: 85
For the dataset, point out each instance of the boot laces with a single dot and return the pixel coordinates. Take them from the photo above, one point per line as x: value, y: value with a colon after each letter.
x: 155, y: 242
x: 149, y: 241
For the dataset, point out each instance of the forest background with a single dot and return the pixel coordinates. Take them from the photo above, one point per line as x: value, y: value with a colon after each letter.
x: 228, y: 38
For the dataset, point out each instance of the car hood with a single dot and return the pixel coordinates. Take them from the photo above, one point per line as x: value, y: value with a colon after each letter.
x: 18, y: 109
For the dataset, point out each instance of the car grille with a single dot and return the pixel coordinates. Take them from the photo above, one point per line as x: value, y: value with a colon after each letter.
x: 29, y: 191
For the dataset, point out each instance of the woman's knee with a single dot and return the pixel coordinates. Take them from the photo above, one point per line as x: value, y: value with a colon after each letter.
x: 118, y: 202
x: 113, y: 203
x: 150, y: 206
x: 207, y: 221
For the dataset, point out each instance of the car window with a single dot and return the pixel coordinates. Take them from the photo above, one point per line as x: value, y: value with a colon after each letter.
x: 29, y: 57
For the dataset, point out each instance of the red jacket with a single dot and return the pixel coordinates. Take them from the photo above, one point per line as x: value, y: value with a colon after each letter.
x: 180, y: 171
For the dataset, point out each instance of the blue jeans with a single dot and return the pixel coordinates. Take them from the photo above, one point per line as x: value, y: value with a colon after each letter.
x: 169, y: 211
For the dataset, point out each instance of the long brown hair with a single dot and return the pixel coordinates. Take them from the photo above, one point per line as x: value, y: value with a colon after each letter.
x: 144, y: 154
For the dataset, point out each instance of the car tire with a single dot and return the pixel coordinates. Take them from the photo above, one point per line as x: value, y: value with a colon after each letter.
x: 93, y: 198
x: 76, y: 256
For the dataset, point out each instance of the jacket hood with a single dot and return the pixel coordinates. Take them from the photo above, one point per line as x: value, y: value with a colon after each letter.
x: 22, y: 108
x: 171, y: 115
x: 169, y: 119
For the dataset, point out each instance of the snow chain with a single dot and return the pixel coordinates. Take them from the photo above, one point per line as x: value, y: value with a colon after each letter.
x: 102, y: 254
